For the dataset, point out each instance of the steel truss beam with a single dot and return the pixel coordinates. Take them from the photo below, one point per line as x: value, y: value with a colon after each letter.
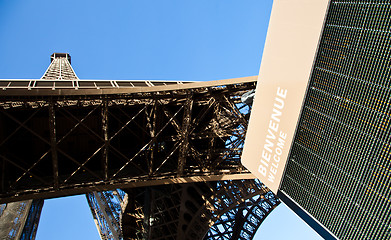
x: 175, y: 147
x: 207, y: 210
x: 61, y: 145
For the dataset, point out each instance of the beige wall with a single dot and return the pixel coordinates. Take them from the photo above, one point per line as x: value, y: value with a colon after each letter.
x: 291, y: 43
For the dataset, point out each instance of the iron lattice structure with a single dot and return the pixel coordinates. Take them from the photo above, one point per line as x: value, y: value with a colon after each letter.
x: 19, y: 220
x: 208, y: 210
x: 231, y: 209
x: 60, y: 68
x: 107, y: 209
x: 154, y: 139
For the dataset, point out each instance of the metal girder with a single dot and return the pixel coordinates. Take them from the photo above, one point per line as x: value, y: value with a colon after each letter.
x: 243, y: 221
x: 207, y: 210
x: 53, y: 143
x: 100, y: 142
x: 81, y: 87
x: 185, y: 135
x: 105, y: 133
x: 174, y: 147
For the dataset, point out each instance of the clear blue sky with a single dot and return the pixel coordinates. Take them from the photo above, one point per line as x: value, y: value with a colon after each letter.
x: 195, y: 40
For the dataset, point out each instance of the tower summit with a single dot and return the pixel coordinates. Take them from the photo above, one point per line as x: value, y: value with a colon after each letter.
x: 60, y: 68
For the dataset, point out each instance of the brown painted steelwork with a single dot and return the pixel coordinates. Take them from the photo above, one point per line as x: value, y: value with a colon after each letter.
x: 174, y: 147
x: 48, y: 134
x: 194, y: 210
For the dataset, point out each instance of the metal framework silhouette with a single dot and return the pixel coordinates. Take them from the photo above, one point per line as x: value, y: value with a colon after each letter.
x: 173, y: 147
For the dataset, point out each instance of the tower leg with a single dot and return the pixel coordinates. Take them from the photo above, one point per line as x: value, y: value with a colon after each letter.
x: 19, y: 220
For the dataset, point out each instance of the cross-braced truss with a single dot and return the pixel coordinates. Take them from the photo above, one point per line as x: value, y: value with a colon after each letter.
x: 60, y: 68
x: 231, y: 209
x: 107, y: 208
x: 243, y: 221
x: 56, y: 145
x: 174, y: 148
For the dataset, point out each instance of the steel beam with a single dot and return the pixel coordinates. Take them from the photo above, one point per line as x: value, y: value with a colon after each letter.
x: 53, y: 143
x: 185, y: 132
x: 105, y: 133
x: 184, y: 125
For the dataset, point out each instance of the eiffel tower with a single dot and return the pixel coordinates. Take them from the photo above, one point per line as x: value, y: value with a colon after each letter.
x: 156, y: 159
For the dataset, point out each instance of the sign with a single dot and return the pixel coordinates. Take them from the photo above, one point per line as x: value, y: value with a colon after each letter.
x: 292, y: 39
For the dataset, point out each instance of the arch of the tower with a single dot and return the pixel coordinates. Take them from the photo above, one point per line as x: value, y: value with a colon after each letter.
x: 232, y: 209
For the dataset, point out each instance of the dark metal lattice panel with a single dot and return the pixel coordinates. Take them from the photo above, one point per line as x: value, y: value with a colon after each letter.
x: 221, y: 210
x: 71, y: 143
x: 166, y: 142
x: 339, y: 166
x: 231, y: 209
x: 243, y: 221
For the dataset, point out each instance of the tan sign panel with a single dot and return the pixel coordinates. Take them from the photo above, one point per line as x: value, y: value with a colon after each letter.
x: 291, y: 43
